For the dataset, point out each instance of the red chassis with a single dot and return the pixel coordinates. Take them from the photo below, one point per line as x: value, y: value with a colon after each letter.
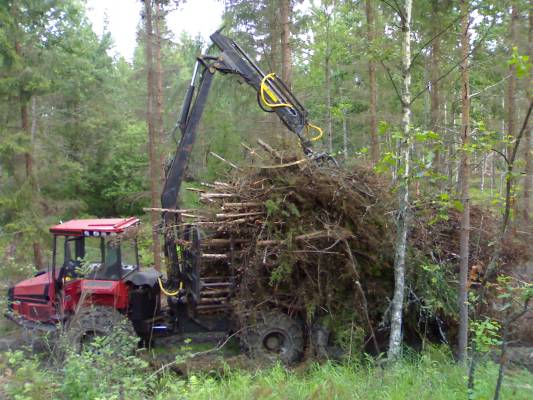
x: 54, y: 294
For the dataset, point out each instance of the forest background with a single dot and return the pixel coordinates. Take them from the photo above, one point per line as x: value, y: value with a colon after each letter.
x: 74, y: 131
x: 79, y: 139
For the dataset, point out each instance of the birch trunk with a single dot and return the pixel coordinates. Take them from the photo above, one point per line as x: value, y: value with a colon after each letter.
x: 464, y: 174
x: 404, y: 149
x: 345, y: 135
x: 435, y: 74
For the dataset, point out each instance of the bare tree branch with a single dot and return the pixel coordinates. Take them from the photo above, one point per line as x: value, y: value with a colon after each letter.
x: 433, y: 38
x: 457, y: 64
x: 391, y: 79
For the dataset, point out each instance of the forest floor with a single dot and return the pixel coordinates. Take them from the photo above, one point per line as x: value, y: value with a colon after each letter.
x: 178, y: 368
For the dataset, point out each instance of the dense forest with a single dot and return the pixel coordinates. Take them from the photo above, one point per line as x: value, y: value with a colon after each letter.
x: 74, y: 137
x: 432, y: 97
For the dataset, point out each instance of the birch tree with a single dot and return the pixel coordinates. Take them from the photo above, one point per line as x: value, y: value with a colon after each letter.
x: 464, y: 174
x: 404, y: 153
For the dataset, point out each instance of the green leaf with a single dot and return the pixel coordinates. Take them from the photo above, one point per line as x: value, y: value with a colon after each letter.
x: 458, y: 205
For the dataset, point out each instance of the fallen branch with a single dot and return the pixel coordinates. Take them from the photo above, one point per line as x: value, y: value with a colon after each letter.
x: 270, y: 150
x: 224, y: 160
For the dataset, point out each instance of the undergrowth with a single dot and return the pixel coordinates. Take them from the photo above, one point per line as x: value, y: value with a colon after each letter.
x: 431, y: 375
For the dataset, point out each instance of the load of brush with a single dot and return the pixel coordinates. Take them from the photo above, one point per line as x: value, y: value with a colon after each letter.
x: 318, y: 241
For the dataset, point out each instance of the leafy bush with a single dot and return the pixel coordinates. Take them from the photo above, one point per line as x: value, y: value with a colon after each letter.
x: 107, y: 369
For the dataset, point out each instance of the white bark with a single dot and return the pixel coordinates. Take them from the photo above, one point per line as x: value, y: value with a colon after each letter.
x: 404, y: 150
x: 345, y: 135
x: 464, y: 181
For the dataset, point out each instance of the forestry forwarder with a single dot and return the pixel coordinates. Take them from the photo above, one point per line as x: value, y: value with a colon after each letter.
x: 95, y: 283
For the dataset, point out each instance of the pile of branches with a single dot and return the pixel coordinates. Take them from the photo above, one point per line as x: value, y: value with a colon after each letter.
x: 318, y: 242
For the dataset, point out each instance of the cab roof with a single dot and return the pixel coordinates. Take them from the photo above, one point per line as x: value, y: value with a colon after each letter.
x: 94, y: 227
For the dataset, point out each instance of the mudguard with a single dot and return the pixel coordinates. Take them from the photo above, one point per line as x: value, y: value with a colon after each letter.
x: 147, y: 277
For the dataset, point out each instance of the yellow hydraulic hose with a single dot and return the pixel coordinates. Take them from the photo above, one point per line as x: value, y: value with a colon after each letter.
x: 274, y: 98
x: 167, y: 292
x: 272, y: 95
x: 316, y: 128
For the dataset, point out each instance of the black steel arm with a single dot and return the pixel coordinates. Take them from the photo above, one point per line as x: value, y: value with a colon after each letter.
x: 232, y: 60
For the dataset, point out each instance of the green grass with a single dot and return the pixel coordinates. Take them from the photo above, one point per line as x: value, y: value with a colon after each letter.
x: 432, y: 375
x: 425, y: 378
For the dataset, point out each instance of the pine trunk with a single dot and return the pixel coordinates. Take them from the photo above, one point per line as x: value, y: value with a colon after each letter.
x: 274, y: 23
x: 527, y: 143
x: 286, y: 56
x: 404, y: 149
x: 152, y: 140
x: 372, y: 81
x: 28, y: 156
x: 159, y: 18
x: 464, y: 174
x: 511, y: 90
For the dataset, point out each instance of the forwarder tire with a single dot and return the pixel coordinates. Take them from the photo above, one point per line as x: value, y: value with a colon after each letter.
x: 99, y: 321
x: 275, y: 336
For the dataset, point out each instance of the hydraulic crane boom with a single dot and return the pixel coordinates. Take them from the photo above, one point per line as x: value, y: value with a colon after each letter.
x: 272, y: 95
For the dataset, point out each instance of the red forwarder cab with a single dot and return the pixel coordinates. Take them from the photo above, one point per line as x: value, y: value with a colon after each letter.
x: 89, y: 266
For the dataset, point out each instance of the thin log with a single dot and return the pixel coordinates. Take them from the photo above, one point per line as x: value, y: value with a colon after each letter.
x: 326, y: 234
x: 208, y: 300
x: 264, y: 243
x: 224, y: 160
x: 252, y: 151
x: 239, y: 215
x: 270, y: 150
x: 168, y: 210
x: 243, y: 205
x: 192, y: 215
x: 290, y: 164
x: 217, y: 195
x: 213, y: 256
x: 195, y: 190
x: 217, y: 223
x: 218, y: 183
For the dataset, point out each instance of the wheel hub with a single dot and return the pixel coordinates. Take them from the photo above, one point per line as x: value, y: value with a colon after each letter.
x: 274, y: 341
